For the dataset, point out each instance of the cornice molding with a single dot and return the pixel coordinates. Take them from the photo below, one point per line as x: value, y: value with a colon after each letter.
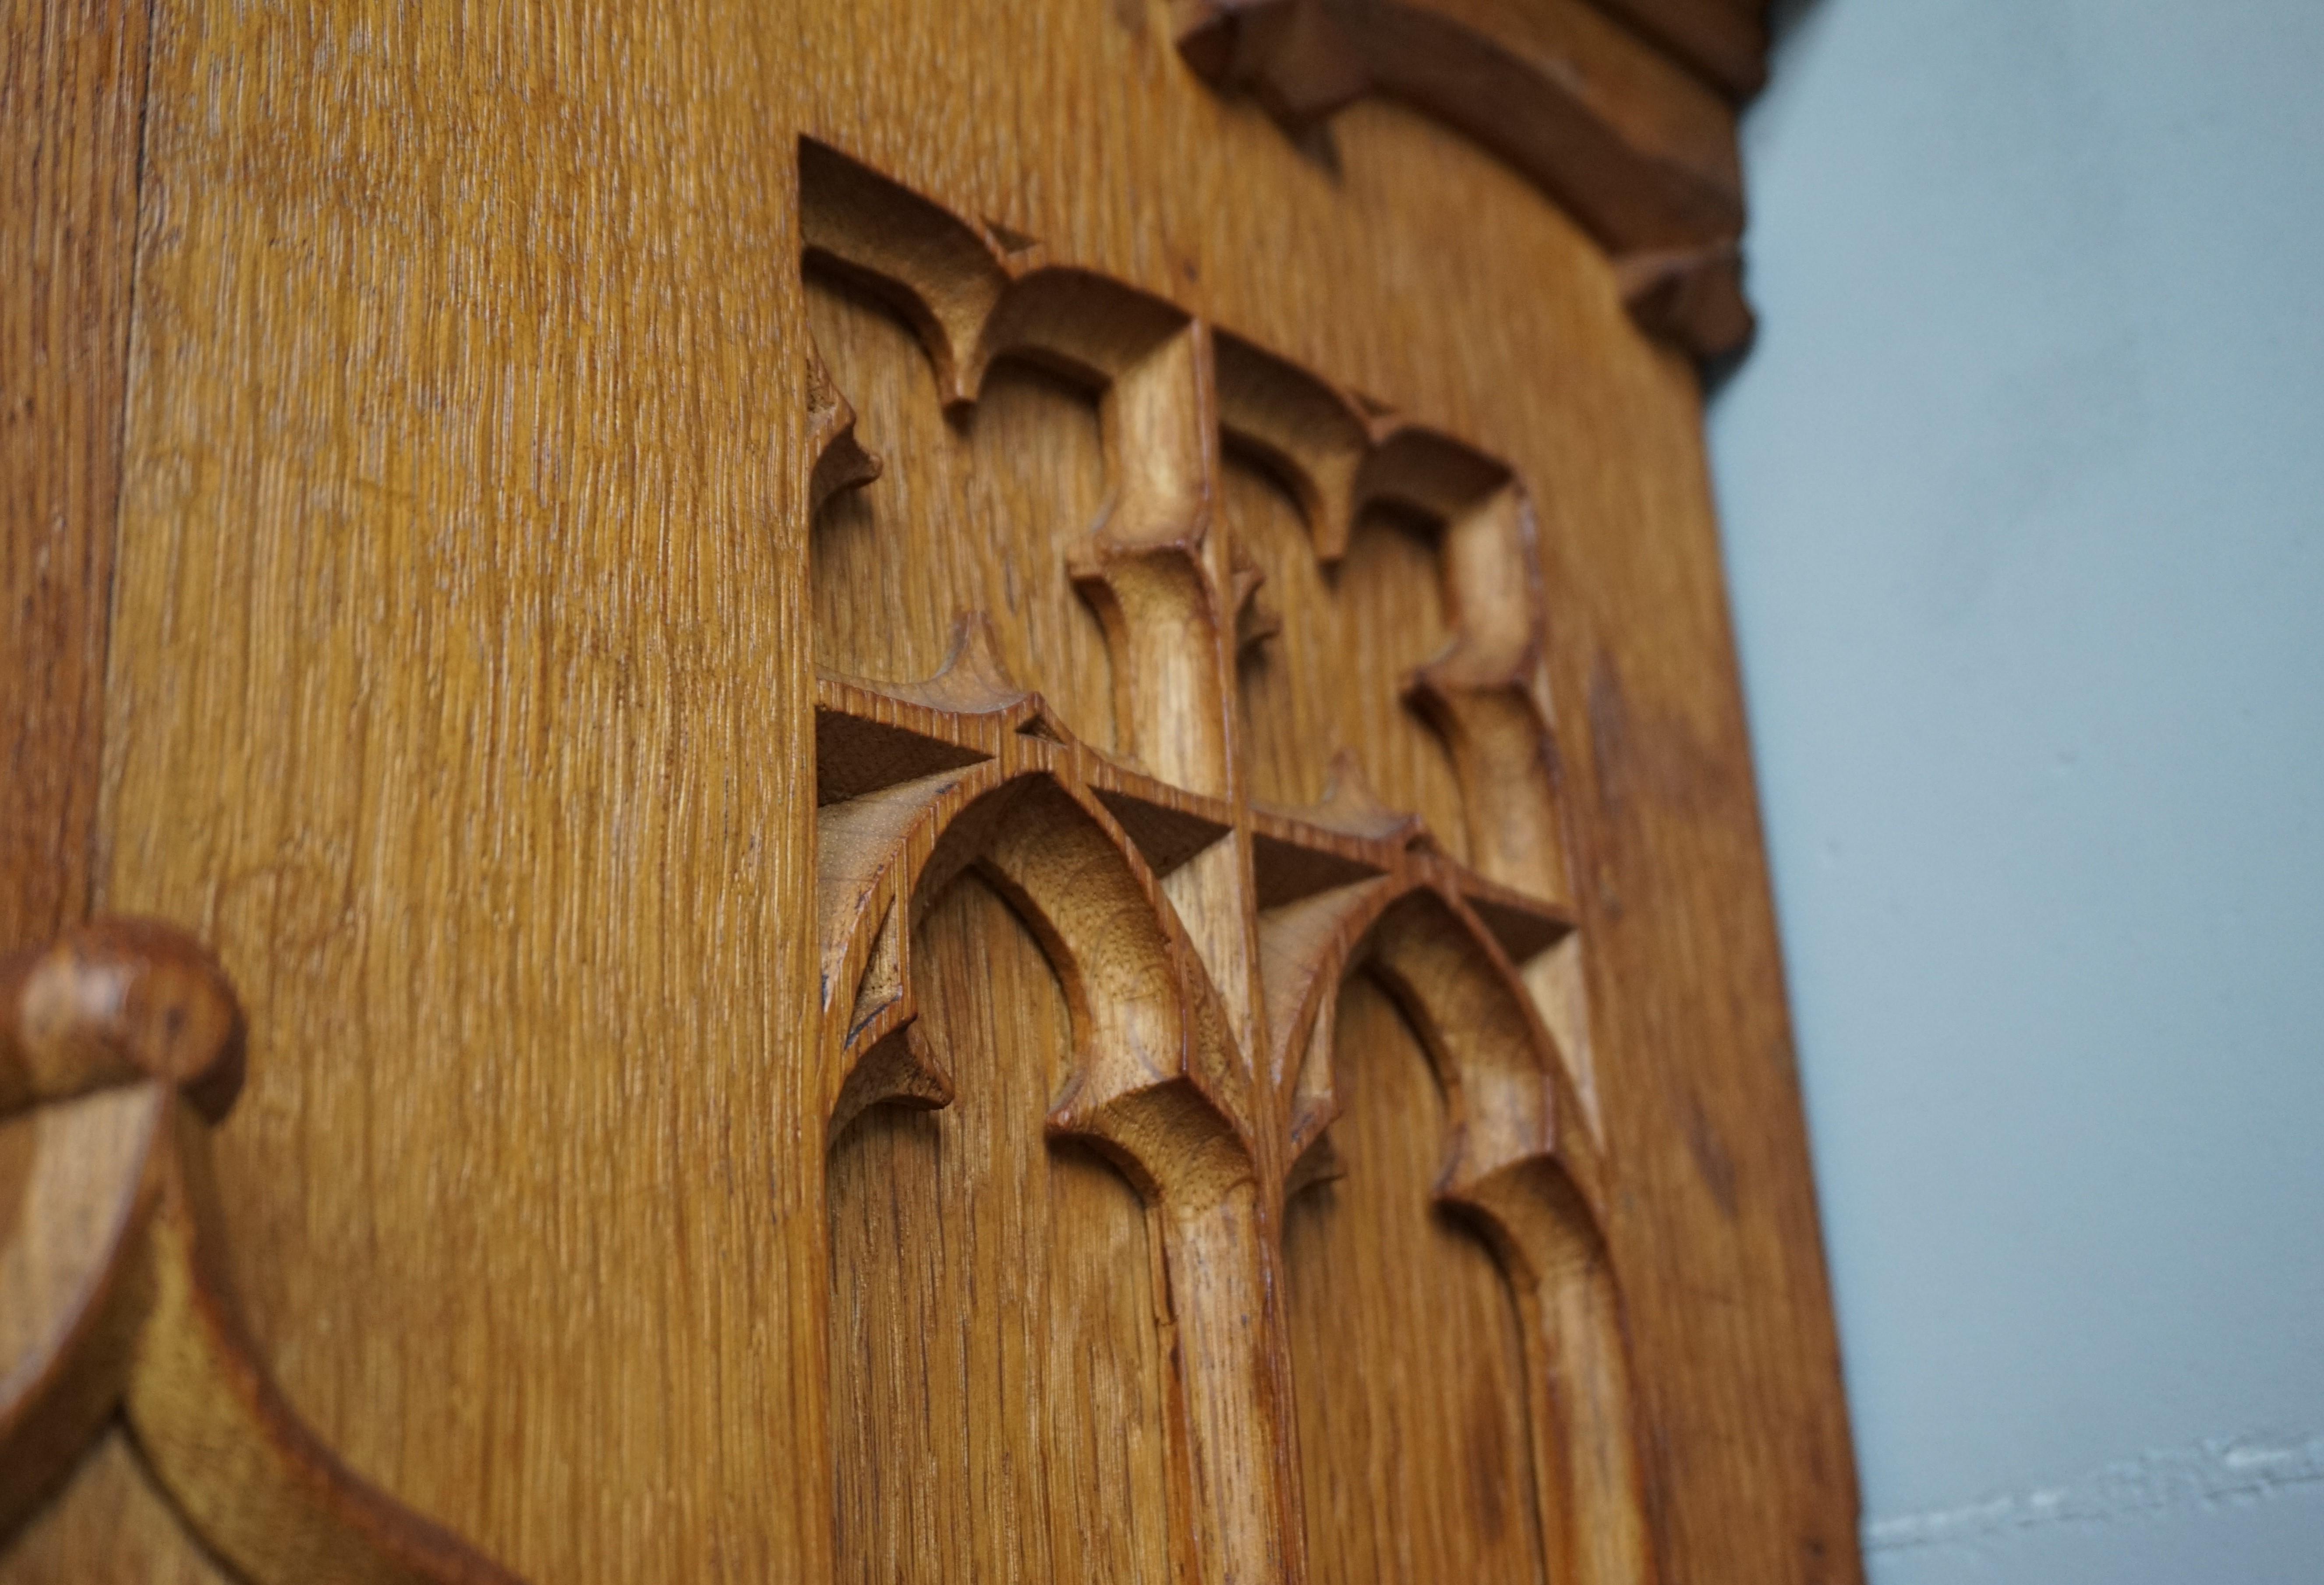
x: 1623, y: 111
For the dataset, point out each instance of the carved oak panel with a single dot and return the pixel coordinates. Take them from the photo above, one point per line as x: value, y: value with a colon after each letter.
x: 909, y: 900
x: 1201, y: 934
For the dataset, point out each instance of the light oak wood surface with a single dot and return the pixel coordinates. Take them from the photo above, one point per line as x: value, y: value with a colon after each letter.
x: 72, y: 93
x: 1258, y: 1054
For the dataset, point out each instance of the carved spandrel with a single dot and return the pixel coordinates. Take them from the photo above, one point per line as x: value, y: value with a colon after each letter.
x: 1200, y: 938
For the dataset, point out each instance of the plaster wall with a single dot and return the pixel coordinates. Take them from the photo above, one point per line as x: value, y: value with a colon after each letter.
x: 2023, y: 495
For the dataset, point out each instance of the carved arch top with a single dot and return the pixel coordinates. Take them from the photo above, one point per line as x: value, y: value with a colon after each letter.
x: 1215, y: 1130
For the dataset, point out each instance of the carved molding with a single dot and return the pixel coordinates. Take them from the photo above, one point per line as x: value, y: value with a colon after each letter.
x: 1622, y: 111
x: 1201, y: 936
x: 121, y: 1046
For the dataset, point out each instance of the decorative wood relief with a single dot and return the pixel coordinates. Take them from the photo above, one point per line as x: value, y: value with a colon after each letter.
x: 120, y: 1047
x: 1416, y: 1450
x: 1624, y: 111
x: 1200, y: 935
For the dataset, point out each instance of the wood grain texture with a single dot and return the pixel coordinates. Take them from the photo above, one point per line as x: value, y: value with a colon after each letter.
x: 460, y: 691
x: 456, y: 694
x: 1387, y: 1291
x: 72, y: 88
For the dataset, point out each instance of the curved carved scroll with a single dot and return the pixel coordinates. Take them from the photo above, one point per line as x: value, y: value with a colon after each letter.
x: 1622, y: 111
x: 119, y: 1047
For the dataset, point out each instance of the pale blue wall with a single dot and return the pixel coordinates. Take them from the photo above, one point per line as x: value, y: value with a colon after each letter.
x: 2024, y: 496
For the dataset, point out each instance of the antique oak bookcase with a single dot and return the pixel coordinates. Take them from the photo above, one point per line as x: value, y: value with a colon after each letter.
x: 886, y: 791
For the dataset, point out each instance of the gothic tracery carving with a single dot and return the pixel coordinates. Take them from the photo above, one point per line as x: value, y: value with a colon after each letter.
x: 1201, y: 935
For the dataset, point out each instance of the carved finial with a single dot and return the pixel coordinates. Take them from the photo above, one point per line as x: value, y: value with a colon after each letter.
x: 841, y: 462
x: 113, y: 1001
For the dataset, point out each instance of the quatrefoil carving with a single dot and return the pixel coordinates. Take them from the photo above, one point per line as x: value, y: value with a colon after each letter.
x: 1200, y: 935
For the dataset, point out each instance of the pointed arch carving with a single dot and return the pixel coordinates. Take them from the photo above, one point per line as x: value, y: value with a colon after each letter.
x: 1200, y: 937
x: 1622, y: 112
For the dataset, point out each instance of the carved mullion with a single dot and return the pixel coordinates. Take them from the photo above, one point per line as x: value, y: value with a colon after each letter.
x: 1216, y: 1187
x: 1488, y: 696
x: 1162, y: 1084
x: 1148, y: 569
x: 1201, y: 938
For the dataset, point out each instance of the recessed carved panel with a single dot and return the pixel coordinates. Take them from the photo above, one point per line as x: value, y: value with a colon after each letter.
x: 947, y: 1229
x: 1314, y: 688
x: 1200, y: 932
x: 1377, y: 1272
